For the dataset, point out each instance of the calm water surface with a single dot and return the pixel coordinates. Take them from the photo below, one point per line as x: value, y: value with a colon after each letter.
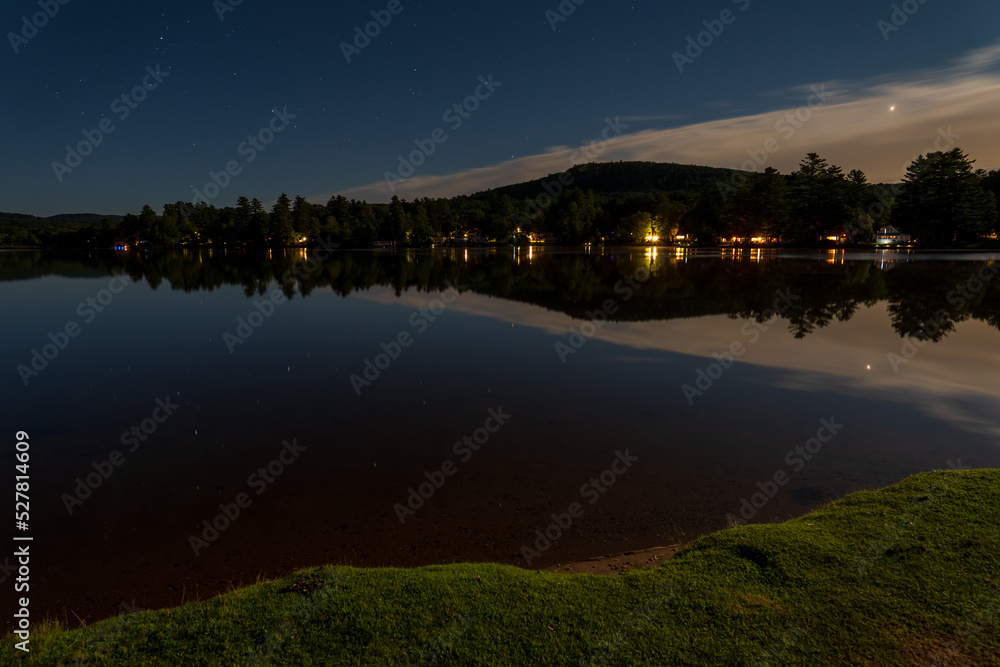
x: 709, y: 372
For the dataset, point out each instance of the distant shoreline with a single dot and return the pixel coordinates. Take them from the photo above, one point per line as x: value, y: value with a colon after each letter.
x: 982, y: 246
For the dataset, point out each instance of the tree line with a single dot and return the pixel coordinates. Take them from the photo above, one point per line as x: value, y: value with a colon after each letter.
x: 941, y: 200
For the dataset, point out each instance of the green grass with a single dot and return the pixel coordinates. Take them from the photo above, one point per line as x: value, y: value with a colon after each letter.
x: 908, y: 575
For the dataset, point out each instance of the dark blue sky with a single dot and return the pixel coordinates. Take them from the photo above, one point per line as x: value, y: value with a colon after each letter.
x: 228, y: 77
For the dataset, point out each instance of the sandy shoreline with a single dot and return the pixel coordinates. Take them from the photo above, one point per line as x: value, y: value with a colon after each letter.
x: 618, y: 563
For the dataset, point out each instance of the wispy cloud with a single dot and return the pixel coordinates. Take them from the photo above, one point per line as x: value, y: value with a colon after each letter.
x: 854, y: 128
x: 946, y: 382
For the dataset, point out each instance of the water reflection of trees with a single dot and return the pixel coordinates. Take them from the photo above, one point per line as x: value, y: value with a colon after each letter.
x: 925, y: 299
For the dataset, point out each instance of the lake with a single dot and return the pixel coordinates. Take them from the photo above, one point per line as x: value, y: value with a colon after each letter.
x: 202, y: 419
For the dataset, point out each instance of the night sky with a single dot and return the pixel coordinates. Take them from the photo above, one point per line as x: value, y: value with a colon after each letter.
x: 556, y: 86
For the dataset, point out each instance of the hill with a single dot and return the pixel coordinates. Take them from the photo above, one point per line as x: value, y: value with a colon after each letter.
x: 62, y: 221
x: 85, y: 217
x: 25, y: 220
x: 20, y: 219
x: 28, y: 231
x: 613, y: 178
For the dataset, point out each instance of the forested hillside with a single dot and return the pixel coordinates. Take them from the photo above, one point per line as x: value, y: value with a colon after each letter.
x: 942, y: 201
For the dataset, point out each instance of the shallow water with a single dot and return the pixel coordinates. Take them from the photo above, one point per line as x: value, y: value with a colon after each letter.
x: 645, y: 395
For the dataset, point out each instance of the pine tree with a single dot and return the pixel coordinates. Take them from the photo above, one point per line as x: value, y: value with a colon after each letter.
x: 147, y: 224
x: 398, y: 222
x: 943, y: 200
x: 260, y: 223
x: 819, y: 199
x: 759, y: 207
x: 305, y: 221
x: 704, y: 221
x: 280, y: 228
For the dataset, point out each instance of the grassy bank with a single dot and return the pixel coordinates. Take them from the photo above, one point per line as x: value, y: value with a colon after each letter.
x: 908, y: 575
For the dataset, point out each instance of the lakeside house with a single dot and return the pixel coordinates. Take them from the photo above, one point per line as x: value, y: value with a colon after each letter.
x: 836, y: 235
x: 891, y: 236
